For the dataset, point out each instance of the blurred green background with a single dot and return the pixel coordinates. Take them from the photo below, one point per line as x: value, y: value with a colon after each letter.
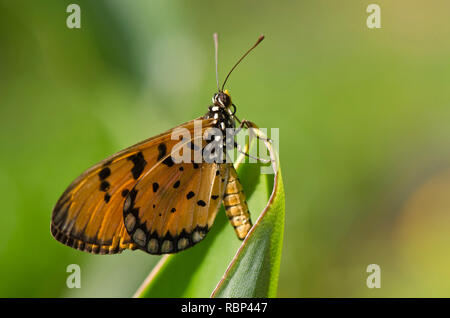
x: 364, y: 118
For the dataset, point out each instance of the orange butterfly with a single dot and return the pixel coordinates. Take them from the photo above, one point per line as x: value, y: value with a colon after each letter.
x: 140, y: 198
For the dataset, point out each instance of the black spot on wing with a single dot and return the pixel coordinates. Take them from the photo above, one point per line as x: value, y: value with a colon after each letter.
x: 162, y: 149
x: 155, y: 186
x: 190, y: 195
x: 104, y: 173
x: 214, y: 197
x: 168, y: 161
x: 138, y: 164
x: 176, y: 184
x: 125, y: 193
x: 104, y: 186
x: 107, y: 197
x: 201, y: 203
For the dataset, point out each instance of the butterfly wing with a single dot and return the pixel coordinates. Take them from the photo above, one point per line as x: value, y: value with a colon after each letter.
x: 172, y: 208
x: 89, y: 214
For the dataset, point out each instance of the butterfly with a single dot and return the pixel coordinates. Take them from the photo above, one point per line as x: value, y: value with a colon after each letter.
x: 141, y: 198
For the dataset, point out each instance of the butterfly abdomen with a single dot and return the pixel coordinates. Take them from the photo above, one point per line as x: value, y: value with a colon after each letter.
x: 236, y: 207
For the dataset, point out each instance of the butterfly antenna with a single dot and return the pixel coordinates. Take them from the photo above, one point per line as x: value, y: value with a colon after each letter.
x: 216, y: 50
x: 261, y: 37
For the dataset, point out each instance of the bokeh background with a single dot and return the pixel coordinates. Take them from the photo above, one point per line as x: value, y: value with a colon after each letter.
x: 364, y: 119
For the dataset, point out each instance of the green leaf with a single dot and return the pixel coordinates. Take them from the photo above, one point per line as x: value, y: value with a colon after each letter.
x: 221, y: 265
x: 255, y: 268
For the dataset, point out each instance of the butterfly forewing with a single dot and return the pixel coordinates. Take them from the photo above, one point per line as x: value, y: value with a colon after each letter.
x: 89, y: 214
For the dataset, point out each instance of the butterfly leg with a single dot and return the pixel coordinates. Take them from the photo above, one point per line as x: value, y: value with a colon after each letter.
x: 248, y: 124
x: 240, y: 150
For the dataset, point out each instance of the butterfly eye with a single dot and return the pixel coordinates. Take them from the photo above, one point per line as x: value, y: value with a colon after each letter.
x: 224, y: 99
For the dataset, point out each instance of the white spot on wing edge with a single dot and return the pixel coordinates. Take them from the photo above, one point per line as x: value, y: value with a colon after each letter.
x: 167, y: 246
x: 130, y: 222
x: 182, y: 243
x: 139, y: 237
x: 153, y: 245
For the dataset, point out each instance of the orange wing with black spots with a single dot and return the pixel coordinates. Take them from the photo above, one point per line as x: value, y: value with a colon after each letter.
x: 89, y: 214
x: 171, y: 209
x: 141, y: 198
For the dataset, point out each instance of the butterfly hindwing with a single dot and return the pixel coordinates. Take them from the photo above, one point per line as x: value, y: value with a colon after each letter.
x: 89, y: 214
x: 173, y: 207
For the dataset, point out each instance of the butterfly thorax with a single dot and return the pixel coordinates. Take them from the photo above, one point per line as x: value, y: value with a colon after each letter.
x: 223, y: 117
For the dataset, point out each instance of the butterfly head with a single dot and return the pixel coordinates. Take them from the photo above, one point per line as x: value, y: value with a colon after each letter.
x: 222, y: 99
